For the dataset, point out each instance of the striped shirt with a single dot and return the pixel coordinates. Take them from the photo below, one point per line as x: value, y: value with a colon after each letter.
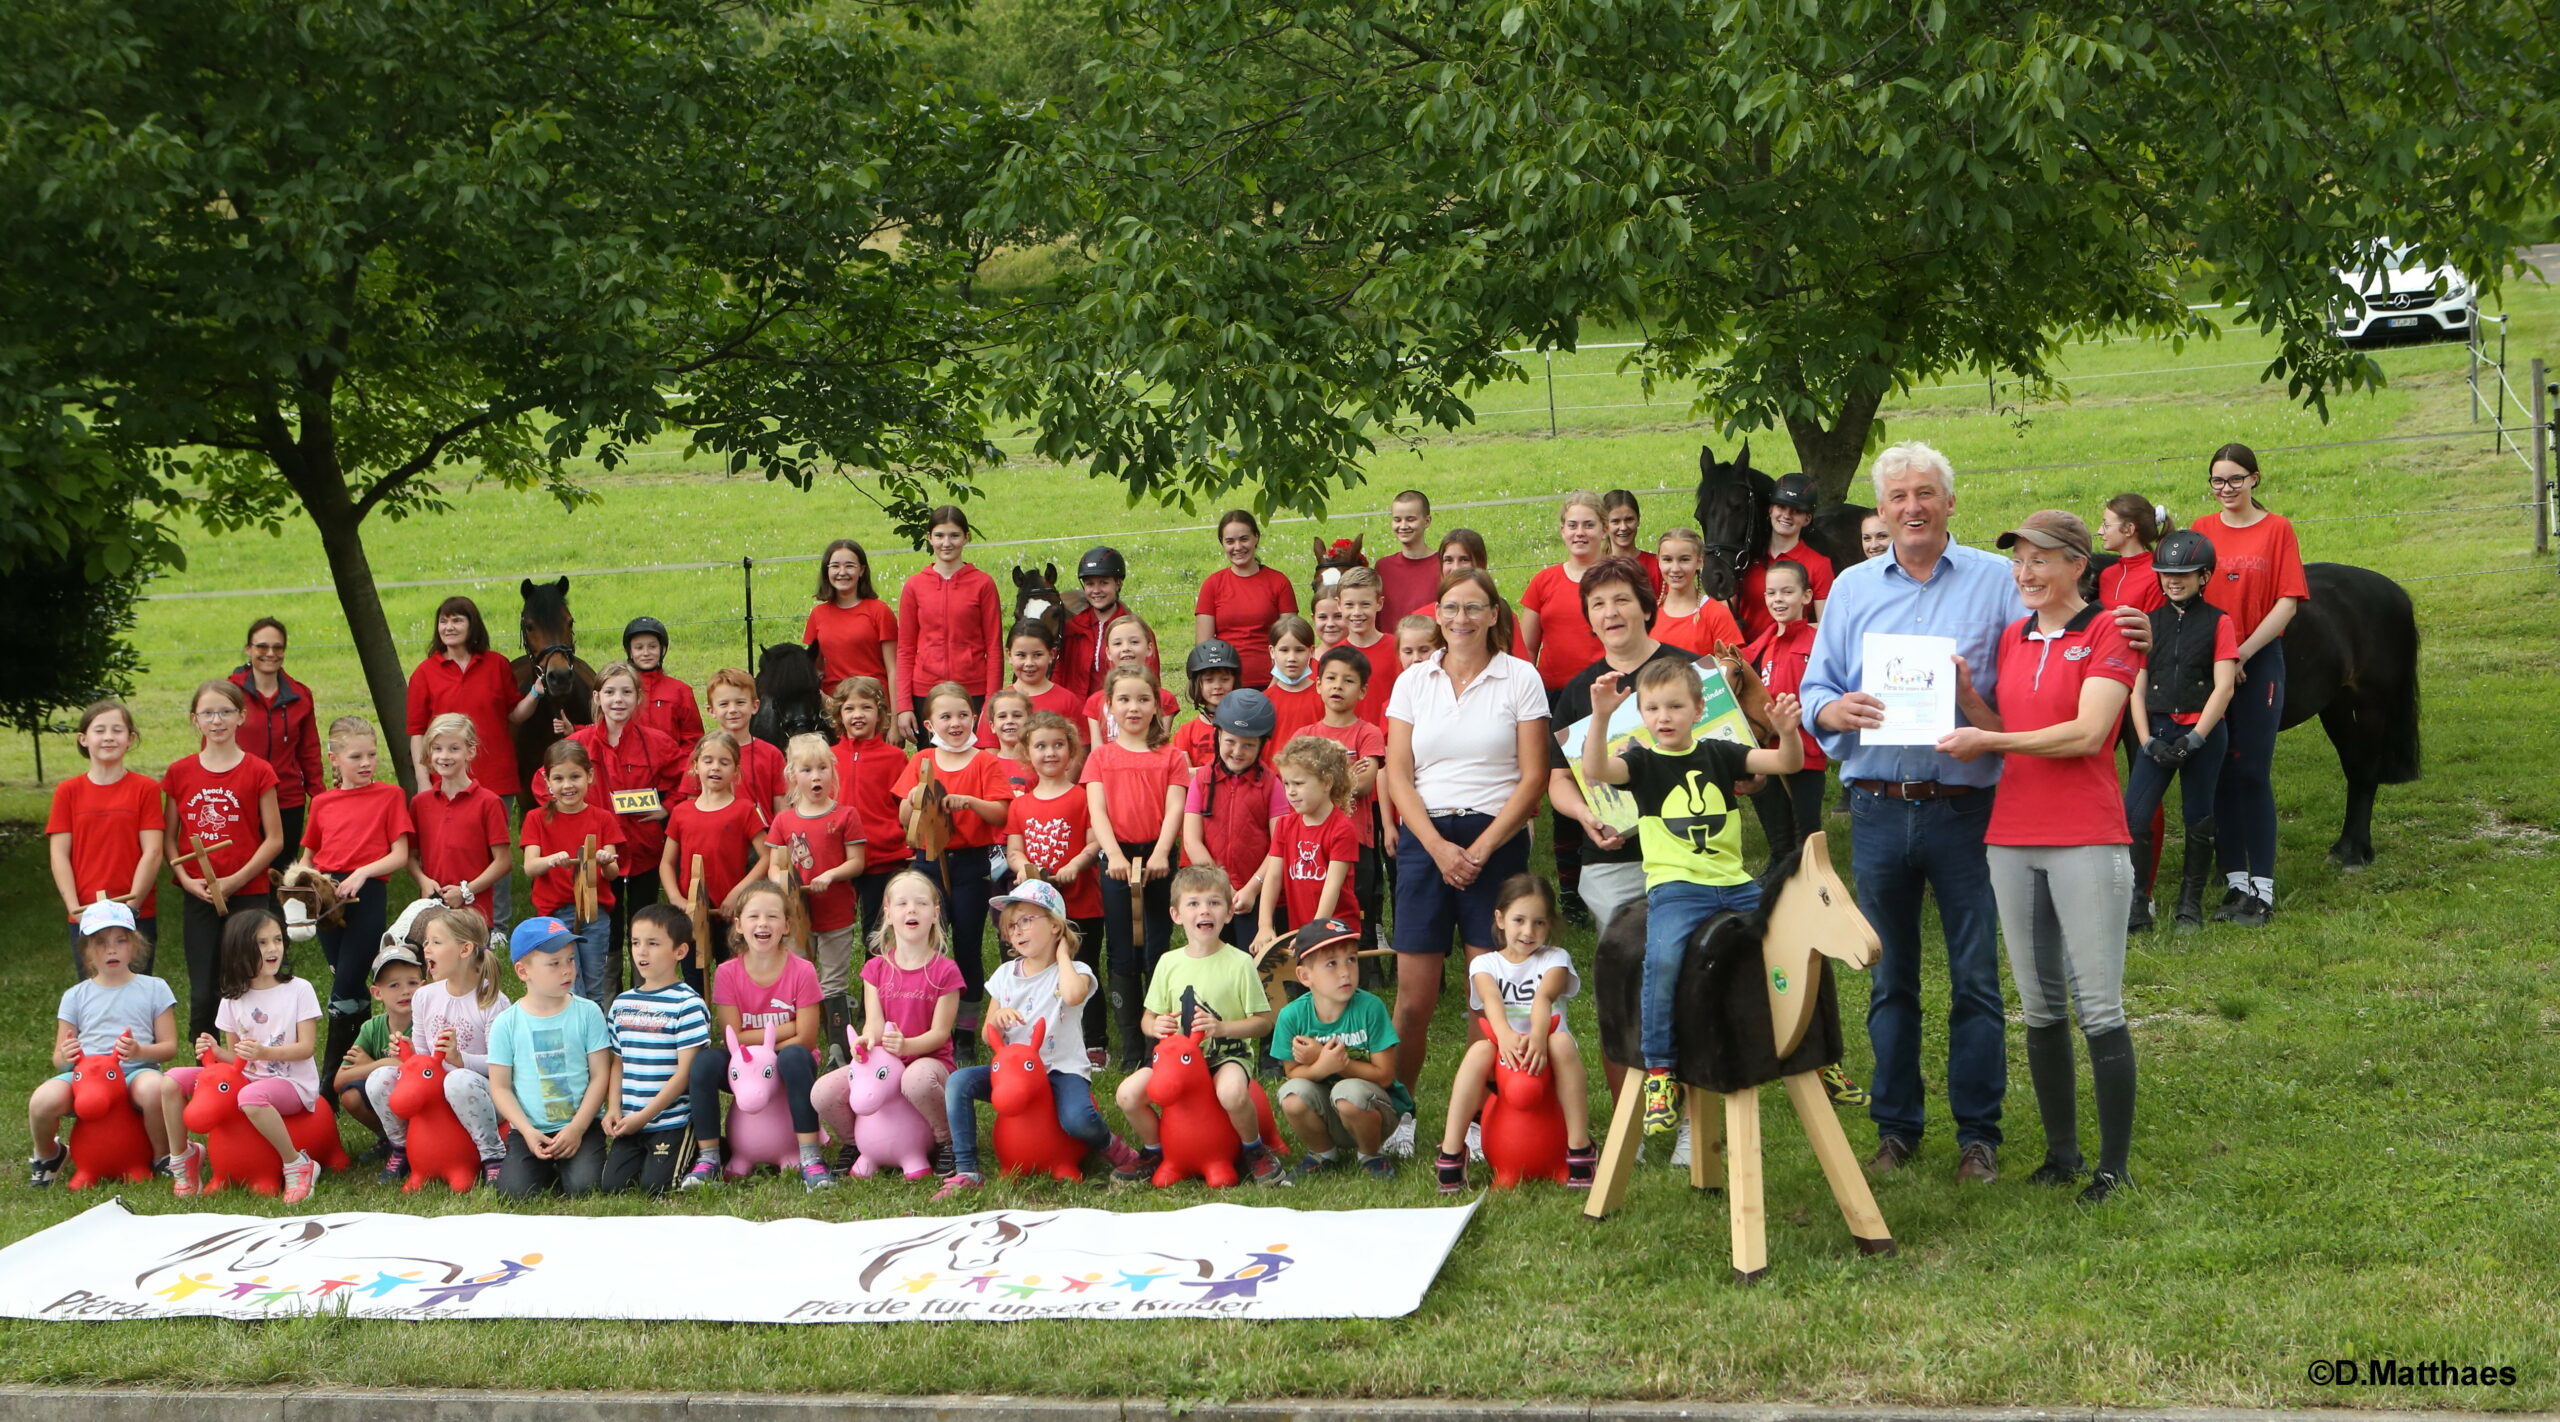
x: 649, y: 1026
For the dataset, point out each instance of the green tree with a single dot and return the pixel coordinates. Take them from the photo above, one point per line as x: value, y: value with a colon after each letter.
x: 268, y: 259
x: 1310, y: 226
x: 64, y: 635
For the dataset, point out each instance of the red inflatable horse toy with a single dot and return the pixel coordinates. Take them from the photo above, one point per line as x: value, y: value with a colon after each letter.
x: 1197, y: 1136
x: 438, y: 1147
x: 109, y: 1143
x: 1523, y: 1123
x: 234, y: 1151
x: 1029, y: 1140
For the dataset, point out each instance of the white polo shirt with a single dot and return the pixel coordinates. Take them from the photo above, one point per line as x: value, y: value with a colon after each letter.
x: 1466, y: 749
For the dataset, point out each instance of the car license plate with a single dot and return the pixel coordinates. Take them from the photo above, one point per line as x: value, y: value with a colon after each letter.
x: 2398, y: 321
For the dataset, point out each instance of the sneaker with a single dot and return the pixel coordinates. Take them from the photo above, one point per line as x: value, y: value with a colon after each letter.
x: 182, y: 1178
x: 2054, y: 1174
x: 1579, y: 1168
x: 41, y: 1173
x: 1680, y: 1146
x: 705, y: 1171
x: 848, y: 1153
x: 1892, y: 1153
x: 1451, y: 1171
x: 943, y: 1163
x: 1266, y: 1168
x: 395, y: 1168
x: 2231, y: 901
x: 1400, y: 1142
x: 2104, y: 1184
x: 300, y: 1175
x: 1120, y: 1155
x: 1097, y: 1058
x: 379, y: 1150
x: 1841, y: 1087
x: 1141, y: 1166
x: 814, y: 1175
x: 1381, y: 1165
x: 1661, y: 1102
x: 959, y: 1182
x: 1316, y: 1162
x: 490, y: 1168
x: 1475, y: 1141
x: 2251, y: 912
x: 1978, y: 1163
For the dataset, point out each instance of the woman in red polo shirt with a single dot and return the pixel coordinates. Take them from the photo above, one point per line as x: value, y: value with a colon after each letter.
x: 461, y: 674
x: 949, y: 625
x: 855, y: 632
x: 2057, y: 845
x: 1559, y: 640
x: 1239, y: 602
x: 2258, y: 583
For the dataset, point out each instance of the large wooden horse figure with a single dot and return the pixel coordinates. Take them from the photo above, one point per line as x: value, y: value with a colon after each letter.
x: 551, y: 666
x: 1753, y: 1005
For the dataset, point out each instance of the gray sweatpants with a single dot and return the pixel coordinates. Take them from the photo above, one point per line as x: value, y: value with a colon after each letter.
x: 2062, y: 912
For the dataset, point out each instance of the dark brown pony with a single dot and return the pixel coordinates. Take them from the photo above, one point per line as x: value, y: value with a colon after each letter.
x: 551, y: 665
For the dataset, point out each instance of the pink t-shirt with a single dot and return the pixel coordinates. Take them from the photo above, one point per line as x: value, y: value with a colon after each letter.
x: 761, y: 1005
x: 908, y: 996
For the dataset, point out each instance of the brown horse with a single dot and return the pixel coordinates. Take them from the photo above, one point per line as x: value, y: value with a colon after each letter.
x: 568, y: 685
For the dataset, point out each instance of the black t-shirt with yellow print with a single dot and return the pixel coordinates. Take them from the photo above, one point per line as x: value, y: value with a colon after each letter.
x: 1688, y: 827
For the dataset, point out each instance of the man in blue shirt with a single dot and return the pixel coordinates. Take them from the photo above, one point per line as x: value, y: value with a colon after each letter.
x: 1916, y: 815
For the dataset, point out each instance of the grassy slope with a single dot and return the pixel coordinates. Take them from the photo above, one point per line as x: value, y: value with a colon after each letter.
x: 2345, y: 1118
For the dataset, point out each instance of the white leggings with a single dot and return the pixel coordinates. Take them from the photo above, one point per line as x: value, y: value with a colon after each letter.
x: 465, y: 1090
x: 2062, y: 910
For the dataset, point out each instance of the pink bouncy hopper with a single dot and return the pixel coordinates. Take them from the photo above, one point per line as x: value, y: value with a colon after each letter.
x: 888, y: 1130
x: 759, y: 1118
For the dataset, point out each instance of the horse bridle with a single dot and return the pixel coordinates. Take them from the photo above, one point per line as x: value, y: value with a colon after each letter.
x: 562, y: 651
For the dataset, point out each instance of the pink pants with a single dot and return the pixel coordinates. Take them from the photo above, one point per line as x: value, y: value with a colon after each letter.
x: 265, y: 1091
x: 922, y: 1086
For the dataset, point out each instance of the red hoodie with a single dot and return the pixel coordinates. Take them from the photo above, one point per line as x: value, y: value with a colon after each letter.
x: 950, y: 629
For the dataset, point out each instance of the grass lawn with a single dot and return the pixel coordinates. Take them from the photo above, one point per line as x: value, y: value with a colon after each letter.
x: 2346, y: 1119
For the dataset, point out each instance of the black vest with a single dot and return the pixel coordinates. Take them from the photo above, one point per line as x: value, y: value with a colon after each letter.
x: 2181, y: 658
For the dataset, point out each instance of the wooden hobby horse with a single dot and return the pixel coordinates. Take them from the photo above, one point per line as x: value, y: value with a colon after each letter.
x: 1753, y: 1005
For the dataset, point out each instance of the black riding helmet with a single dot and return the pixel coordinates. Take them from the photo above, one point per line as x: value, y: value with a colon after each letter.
x: 1102, y: 563
x: 2184, y: 551
x: 1216, y: 654
x: 1796, y: 492
x: 1246, y: 713
x: 645, y: 627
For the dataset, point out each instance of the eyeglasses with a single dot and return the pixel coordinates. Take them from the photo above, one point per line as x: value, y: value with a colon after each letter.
x: 266, y: 646
x: 1466, y: 609
x: 217, y: 713
x: 2221, y: 481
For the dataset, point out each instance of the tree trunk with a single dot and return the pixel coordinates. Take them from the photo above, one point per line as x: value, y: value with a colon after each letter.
x: 1832, y: 455
x: 342, y: 538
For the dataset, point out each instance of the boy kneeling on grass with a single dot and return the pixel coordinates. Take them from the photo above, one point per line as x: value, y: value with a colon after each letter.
x: 1336, y: 1043
x: 548, y: 1065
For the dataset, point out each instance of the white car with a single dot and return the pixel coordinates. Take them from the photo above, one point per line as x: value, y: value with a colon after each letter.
x: 2400, y: 300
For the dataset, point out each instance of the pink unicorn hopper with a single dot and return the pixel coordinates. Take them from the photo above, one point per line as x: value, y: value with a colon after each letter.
x: 888, y: 1130
x: 759, y: 1118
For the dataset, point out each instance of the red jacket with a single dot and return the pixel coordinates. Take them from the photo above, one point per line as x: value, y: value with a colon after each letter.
x: 950, y: 629
x: 1082, y: 657
x: 283, y: 731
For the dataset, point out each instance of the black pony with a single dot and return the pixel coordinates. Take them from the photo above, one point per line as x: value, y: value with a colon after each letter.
x: 1733, y: 521
x: 551, y: 665
x: 788, y: 700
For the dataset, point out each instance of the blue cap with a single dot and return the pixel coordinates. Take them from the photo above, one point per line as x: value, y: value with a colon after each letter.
x: 538, y: 935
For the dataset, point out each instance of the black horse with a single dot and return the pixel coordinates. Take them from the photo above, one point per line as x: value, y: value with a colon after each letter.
x: 2351, y: 659
x: 788, y: 700
x: 1036, y: 599
x: 1733, y: 521
x: 567, y: 684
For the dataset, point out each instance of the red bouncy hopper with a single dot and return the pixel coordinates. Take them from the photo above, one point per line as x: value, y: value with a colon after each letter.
x: 234, y: 1151
x: 438, y: 1147
x: 1197, y: 1137
x: 1523, y: 1122
x: 109, y: 1143
x: 1029, y: 1140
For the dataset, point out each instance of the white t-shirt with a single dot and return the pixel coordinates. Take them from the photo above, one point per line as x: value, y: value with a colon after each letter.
x: 1466, y: 749
x: 435, y: 1010
x: 270, y: 1018
x: 1035, y: 996
x: 1518, y: 982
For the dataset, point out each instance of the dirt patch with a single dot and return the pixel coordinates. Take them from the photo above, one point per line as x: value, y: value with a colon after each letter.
x: 2514, y: 835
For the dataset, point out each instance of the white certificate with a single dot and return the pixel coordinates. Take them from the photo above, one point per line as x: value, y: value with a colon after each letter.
x: 1915, y: 678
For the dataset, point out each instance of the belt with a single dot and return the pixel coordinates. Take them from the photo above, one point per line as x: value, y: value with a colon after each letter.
x: 1913, y: 789
x: 1453, y: 814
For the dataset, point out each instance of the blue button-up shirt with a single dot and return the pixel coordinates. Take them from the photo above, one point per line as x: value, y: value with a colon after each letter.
x: 1970, y: 596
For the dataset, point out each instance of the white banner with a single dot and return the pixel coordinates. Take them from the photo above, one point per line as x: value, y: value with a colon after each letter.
x: 1224, y: 1261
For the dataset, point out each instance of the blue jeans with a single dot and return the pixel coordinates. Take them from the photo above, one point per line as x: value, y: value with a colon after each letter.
x: 969, y: 1085
x: 2197, y: 782
x: 1901, y: 851
x: 2245, y: 803
x: 1673, y: 915
x: 595, y: 958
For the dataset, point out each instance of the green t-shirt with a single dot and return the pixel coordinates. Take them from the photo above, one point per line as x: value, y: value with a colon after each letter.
x: 1365, y: 1027
x: 1223, y: 982
x: 1687, y: 824
x: 373, y: 1039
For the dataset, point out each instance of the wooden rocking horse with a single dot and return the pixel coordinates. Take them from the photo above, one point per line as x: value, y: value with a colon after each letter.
x: 1753, y: 1005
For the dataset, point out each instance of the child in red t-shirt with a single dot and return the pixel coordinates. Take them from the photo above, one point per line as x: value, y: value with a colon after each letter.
x: 1226, y: 815
x: 1293, y: 677
x: 224, y: 801
x: 105, y: 830
x: 817, y: 840
x: 759, y: 778
x: 1342, y: 684
x: 1361, y: 595
x: 1031, y: 650
x: 1313, y: 847
x: 867, y: 771
x: 1779, y: 655
x: 1048, y: 831
x: 1211, y: 669
x: 1131, y: 644
x: 462, y: 824
x: 358, y: 835
x: 1135, y: 784
x: 1008, y: 713
x: 555, y: 838
x: 720, y: 831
